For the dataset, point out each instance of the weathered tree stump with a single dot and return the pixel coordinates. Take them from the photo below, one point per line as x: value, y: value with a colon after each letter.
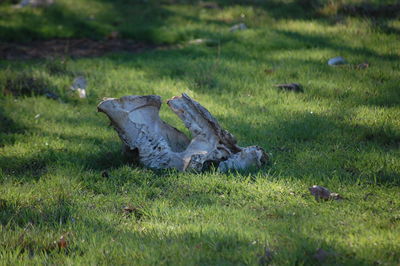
x: 158, y: 145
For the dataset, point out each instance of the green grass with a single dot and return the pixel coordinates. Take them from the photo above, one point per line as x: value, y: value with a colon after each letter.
x: 343, y: 132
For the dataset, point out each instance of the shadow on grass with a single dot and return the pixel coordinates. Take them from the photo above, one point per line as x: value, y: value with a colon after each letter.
x: 9, y: 128
x: 231, y: 244
x: 372, y: 10
x: 200, y: 244
x: 15, y: 214
x: 63, y: 21
x: 138, y: 21
x: 148, y: 20
x: 34, y: 166
x: 310, y: 40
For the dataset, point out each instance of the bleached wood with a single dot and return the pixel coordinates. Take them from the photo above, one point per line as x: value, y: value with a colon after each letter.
x: 160, y: 146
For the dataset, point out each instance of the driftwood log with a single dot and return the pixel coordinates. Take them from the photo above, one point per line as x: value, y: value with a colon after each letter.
x: 157, y: 145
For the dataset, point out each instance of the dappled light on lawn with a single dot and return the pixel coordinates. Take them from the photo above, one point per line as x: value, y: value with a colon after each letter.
x: 329, y: 193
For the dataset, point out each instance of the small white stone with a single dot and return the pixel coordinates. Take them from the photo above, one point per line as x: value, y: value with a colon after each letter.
x: 82, y: 93
x: 240, y: 26
x: 336, y: 61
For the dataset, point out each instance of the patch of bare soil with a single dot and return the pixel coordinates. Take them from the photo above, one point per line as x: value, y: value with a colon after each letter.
x: 69, y: 47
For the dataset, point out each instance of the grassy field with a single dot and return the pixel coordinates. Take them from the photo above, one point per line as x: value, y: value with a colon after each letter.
x: 62, y: 173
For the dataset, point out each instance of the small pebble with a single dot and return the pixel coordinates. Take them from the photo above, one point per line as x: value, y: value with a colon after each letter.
x: 240, y: 26
x: 336, y: 61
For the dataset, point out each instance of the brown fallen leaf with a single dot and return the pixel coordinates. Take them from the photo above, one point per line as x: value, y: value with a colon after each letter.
x: 322, y: 193
x: 363, y: 65
x: 62, y: 243
x: 136, y: 211
x: 129, y: 209
x: 296, y: 87
x: 269, y: 71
